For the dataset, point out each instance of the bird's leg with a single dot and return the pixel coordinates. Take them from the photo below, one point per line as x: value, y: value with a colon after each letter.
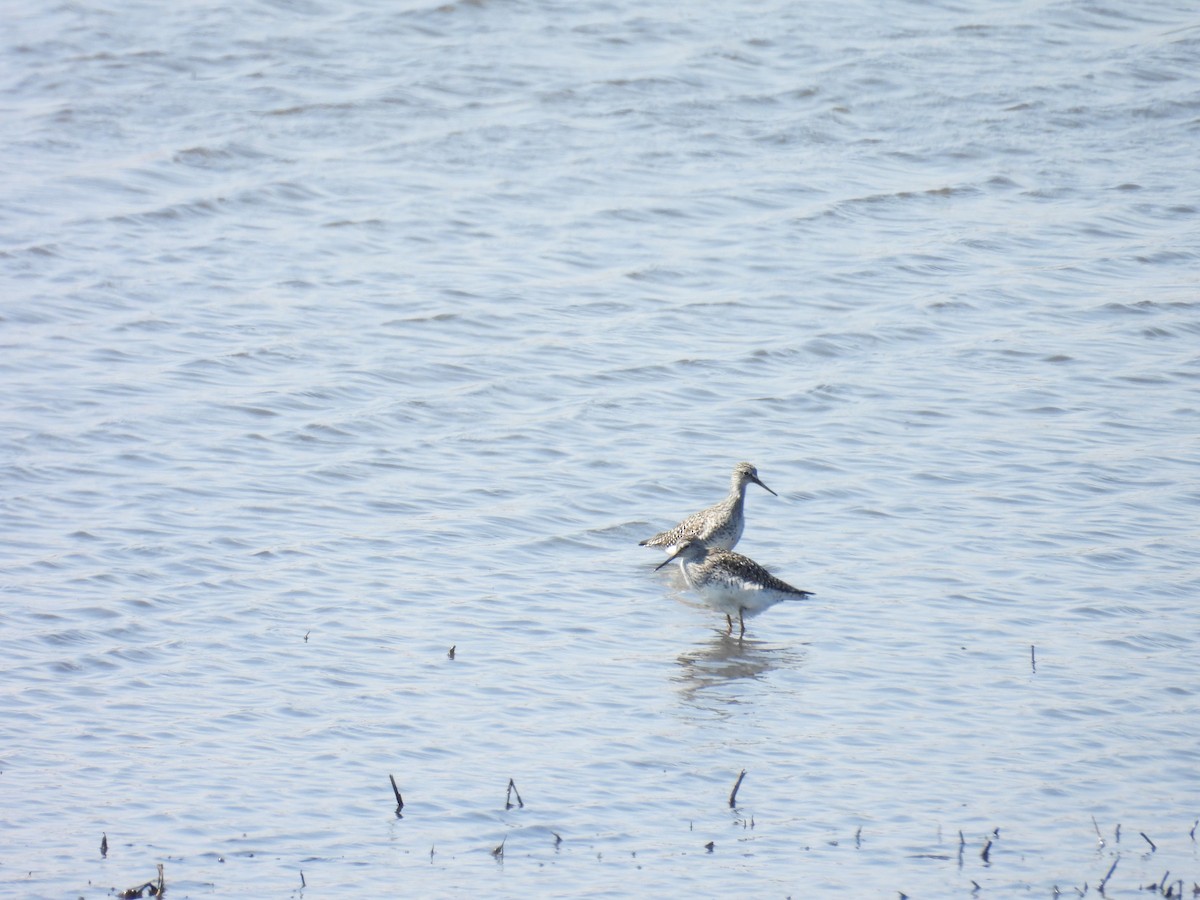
x: 729, y: 630
x: 741, y: 619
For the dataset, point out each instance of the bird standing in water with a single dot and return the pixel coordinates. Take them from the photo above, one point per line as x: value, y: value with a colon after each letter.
x: 720, y: 525
x: 731, y: 583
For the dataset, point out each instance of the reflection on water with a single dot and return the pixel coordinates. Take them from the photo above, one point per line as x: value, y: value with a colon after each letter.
x: 724, y: 660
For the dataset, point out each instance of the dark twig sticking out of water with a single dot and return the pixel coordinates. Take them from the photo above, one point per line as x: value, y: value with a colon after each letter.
x: 1192, y: 833
x: 1108, y: 874
x: 450, y: 652
x: 399, y: 799
x: 986, y: 852
x: 1099, y: 837
x: 1032, y: 659
x: 1148, y: 841
x: 733, y: 793
x: 1162, y: 885
x: 499, y: 851
x: 104, y: 845
x: 557, y: 839
x: 962, y: 843
x: 710, y: 846
x: 303, y: 883
x: 512, y: 791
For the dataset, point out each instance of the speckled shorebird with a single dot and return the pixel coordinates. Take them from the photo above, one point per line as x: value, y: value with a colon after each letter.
x: 720, y: 525
x: 731, y: 583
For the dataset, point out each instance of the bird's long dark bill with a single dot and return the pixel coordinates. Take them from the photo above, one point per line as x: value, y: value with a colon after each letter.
x: 669, y: 559
x: 765, y: 488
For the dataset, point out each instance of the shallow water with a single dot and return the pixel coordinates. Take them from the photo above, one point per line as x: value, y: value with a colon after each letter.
x: 336, y: 336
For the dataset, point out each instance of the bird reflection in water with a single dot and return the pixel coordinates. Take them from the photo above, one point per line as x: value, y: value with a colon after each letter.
x: 725, y: 660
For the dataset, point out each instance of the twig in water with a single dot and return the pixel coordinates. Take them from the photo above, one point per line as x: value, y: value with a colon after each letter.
x: 557, y: 839
x: 733, y: 793
x: 512, y: 789
x: 499, y: 851
x: 431, y: 849
x: 710, y: 846
x: 399, y: 799
x: 1108, y: 875
x: 1192, y: 833
x: 104, y: 844
x: 1096, y: 825
x: 1148, y: 841
x: 451, y: 651
x: 858, y: 838
x: 986, y: 851
x: 303, y: 883
x: 1117, y: 833
x: 1032, y: 659
x: 962, y: 842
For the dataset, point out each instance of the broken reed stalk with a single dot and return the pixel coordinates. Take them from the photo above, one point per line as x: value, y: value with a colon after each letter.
x: 162, y: 885
x: 499, y: 851
x: 1096, y: 825
x: 1032, y: 659
x: 303, y: 883
x: 512, y: 790
x: 1108, y: 874
x: 104, y: 845
x: 986, y: 851
x: 733, y: 793
x: 1148, y: 841
x: 1162, y: 884
x: 399, y: 799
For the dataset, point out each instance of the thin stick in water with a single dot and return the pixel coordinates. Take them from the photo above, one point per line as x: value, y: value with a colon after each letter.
x: 1096, y: 825
x: 1148, y: 841
x: 1108, y: 875
x: 512, y: 790
x: 733, y: 793
x: 399, y: 799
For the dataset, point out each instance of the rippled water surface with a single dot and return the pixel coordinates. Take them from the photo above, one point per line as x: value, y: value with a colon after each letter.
x: 334, y: 336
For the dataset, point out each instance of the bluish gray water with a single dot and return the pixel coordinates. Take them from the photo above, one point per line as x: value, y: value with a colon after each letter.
x: 334, y: 336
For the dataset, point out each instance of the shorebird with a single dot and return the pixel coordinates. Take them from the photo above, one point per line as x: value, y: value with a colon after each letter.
x: 721, y: 524
x: 731, y: 583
